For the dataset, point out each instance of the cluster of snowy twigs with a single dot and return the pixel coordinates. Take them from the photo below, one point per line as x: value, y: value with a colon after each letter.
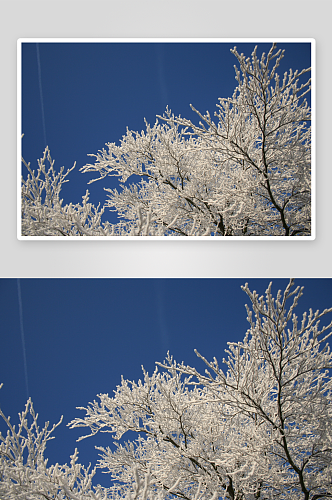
x: 260, y: 429
x: 246, y: 174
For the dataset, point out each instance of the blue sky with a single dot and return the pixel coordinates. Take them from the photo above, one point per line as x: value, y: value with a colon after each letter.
x: 81, y: 335
x: 78, y: 96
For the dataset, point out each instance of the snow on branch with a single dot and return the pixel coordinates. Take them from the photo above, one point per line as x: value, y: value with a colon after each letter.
x: 247, y: 172
x: 260, y: 427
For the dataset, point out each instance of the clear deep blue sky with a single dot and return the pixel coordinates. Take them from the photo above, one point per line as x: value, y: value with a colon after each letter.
x: 92, y: 91
x: 81, y: 335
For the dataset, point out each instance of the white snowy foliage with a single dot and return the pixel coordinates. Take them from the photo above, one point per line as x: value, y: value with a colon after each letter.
x: 43, y: 213
x: 261, y: 428
x: 247, y: 173
x: 24, y: 473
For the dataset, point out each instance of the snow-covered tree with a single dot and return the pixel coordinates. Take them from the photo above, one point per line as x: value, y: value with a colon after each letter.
x: 261, y: 428
x: 258, y: 429
x: 43, y: 212
x: 24, y: 473
x: 248, y: 172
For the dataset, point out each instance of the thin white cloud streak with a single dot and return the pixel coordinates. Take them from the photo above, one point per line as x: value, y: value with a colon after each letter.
x: 41, y: 93
x: 23, y: 337
x: 163, y: 331
x: 161, y: 76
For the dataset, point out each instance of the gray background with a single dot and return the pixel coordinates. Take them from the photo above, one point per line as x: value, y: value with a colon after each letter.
x: 160, y: 18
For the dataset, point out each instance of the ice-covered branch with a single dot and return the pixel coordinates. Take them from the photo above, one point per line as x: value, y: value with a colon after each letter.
x: 245, y: 172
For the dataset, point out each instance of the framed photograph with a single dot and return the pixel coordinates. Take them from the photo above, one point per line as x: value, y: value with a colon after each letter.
x: 161, y: 138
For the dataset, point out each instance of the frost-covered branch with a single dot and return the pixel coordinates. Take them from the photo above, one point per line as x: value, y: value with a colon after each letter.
x: 248, y: 173
x: 24, y: 471
x: 260, y: 428
x: 43, y: 212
